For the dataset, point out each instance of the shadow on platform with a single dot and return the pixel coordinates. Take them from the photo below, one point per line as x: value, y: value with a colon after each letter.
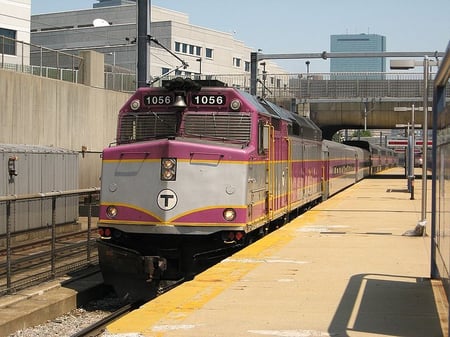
x: 387, y: 305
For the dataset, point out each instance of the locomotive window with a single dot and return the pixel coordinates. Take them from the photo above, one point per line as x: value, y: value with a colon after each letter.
x: 263, y: 138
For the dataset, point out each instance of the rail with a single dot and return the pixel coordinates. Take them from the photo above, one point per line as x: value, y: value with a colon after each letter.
x: 10, y: 200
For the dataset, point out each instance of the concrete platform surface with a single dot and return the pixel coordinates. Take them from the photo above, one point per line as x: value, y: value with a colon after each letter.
x: 342, y: 269
x: 36, y: 305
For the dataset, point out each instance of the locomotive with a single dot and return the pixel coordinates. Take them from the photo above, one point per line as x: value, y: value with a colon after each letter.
x: 200, y: 170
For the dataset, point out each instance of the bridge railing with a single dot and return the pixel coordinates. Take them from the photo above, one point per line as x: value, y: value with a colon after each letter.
x: 331, y: 85
x: 37, y: 60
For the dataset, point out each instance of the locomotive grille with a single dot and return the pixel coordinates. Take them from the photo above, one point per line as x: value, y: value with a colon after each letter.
x: 231, y: 127
x: 141, y: 126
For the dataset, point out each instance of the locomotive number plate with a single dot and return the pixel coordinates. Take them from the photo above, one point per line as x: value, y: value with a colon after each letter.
x: 208, y: 99
x: 158, y: 100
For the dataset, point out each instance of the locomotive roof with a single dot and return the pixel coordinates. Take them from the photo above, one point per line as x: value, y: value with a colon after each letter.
x: 307, y: 126
x: 298, y: 125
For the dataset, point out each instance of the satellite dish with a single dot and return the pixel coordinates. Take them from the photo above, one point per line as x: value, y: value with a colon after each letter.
x: 100, y: 23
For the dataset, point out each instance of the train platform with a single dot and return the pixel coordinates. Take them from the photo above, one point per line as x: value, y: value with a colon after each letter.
x: 344, y: 268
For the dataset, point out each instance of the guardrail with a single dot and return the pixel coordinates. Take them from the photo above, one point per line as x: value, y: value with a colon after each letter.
x: 90, y: 194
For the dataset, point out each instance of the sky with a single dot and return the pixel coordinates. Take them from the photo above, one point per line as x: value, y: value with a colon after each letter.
x: 296, y: 26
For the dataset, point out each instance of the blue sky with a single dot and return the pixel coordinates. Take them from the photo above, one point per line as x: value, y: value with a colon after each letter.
x: 296, y: 26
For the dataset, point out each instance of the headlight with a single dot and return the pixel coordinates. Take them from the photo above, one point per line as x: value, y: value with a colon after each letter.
x: 168, y: 169
x: 235, y: 104
x: 229, y: 214
x: 135, y: 104
x: 111, y: 212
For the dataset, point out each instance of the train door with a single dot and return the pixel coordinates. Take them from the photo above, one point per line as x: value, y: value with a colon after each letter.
x: 325, y: 173
x: 263, y: 193
x: 280, y: 173
x: 303, y: 171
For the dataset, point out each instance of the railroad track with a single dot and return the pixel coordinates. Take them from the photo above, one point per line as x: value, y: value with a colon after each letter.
x: 44, y: 259
x: 98, y: 327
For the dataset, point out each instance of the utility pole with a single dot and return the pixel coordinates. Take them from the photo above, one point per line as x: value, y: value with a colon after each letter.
x: 143, y: 45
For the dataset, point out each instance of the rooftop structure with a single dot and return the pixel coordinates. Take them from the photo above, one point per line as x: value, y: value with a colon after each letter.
x: 110, y: 28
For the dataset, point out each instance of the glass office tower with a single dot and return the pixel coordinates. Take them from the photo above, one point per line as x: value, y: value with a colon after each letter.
x: 356, y: 43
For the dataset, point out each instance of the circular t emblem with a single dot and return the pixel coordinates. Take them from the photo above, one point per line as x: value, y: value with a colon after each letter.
x: 167, y: 199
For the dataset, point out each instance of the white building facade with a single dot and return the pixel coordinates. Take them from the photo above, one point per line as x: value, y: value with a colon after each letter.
x: 15, y: 25
x: 111, y: 30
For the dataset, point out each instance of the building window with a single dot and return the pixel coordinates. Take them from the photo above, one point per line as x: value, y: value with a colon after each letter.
x: 198, y: 51
x: 247, y: 66
x: 184, y: 48
x: 8, y: 45
x: 191, y: 49
x: 209, y: 53
x: 236, y: 62
x: 177, y: 46
x: 164, y: 71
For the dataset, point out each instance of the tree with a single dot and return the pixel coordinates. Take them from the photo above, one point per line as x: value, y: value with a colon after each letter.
x: 362, y: 133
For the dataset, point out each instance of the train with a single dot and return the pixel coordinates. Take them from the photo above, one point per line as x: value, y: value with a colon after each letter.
x: 198, y: 171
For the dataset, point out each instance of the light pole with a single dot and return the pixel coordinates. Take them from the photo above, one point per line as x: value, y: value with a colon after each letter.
x: 411, y: 146
x: 264, y: 73
x: 307, y: 77
x: 411, y: 64
x: 199, y: 60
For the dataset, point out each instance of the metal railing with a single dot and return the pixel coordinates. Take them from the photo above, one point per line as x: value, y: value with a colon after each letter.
x: 54, y: 269
x: 37, y: 60
x: 322, y: 86
x: 41, y: 61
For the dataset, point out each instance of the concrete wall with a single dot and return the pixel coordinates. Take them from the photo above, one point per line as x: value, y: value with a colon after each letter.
x: 41, y: 111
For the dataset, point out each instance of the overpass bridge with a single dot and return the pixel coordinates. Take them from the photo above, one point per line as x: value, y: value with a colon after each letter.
x: 336, y: 101
x: 352, y: 100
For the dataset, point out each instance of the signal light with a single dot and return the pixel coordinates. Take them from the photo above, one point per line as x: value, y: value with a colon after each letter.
x: 168, y: 169
x: 239, y: 236
x: 105, y: 233
x: 232, y: 237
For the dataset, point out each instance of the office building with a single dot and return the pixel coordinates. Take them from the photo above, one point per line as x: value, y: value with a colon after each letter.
x: 357, y: 43
x: 110, y: 28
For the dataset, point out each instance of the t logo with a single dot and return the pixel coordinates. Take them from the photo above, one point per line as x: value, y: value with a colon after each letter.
x: 167, y: 199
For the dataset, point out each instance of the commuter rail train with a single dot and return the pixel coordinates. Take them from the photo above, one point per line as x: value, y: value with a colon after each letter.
x: 199, y: 171
x: 378, y: 157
